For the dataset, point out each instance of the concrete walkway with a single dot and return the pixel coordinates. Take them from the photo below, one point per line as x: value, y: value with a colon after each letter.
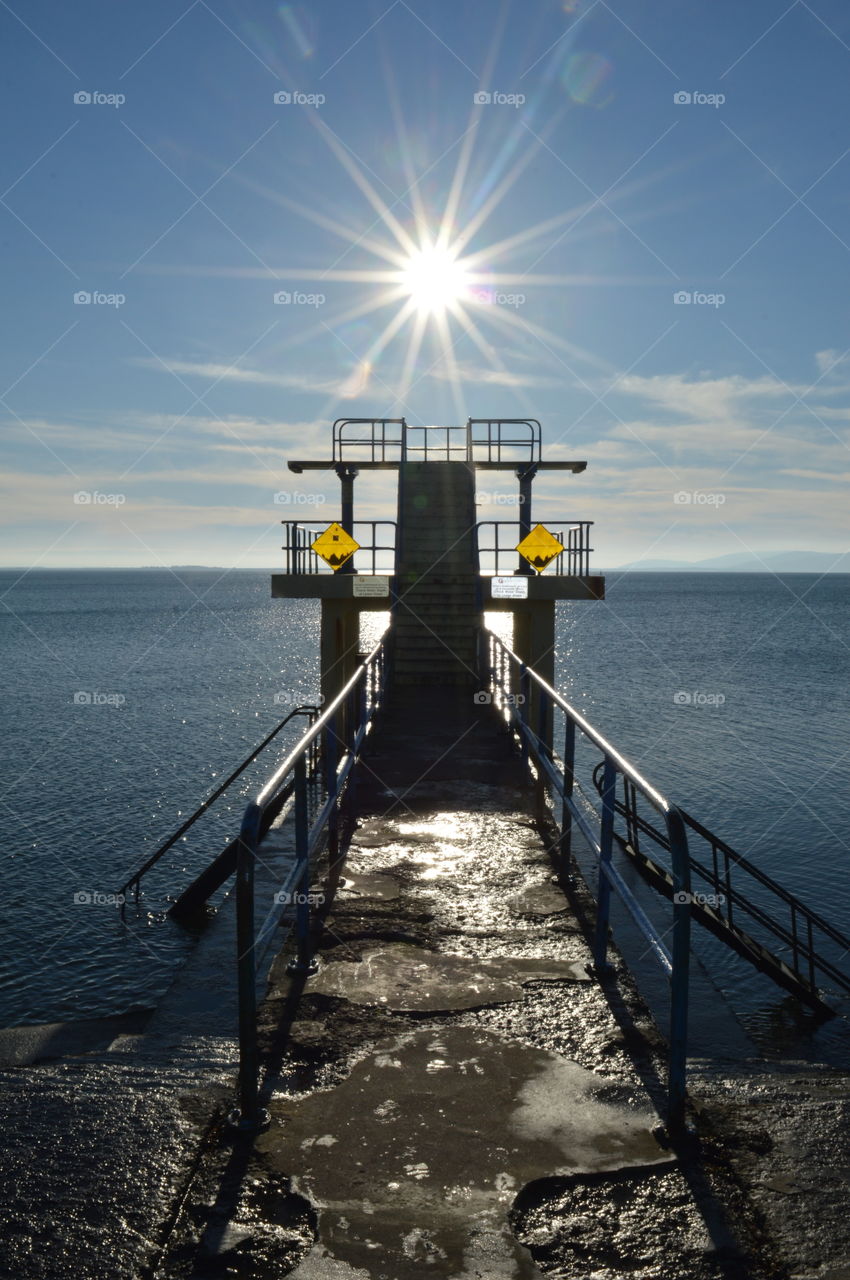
x: 452, y: 1095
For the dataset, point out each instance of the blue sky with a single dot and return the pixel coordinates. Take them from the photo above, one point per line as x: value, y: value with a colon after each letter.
x: 585, y: 196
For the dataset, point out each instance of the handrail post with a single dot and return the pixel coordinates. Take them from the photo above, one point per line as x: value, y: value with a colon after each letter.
x: 542, y: 750
x: 248, y: 1117
x: 331, y: 753
x: 303, y: 964
x: 606, y: 842
x: 565, y: 843
x: 523, y: 711
x: 679, y: 978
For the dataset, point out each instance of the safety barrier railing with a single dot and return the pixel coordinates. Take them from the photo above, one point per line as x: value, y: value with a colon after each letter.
x: 436, y: 444
x: 531, y: 705
x: 341, y: 730
x: 393, y: 440
x: 376, y: 555
x: 504, y: 440
x: 369, y: 440
x: 736, y: 897
x: 497, y: 541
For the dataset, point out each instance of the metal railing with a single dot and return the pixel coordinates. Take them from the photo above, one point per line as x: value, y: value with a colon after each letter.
x: 341, y: 730
x: 381, y: 443
x: 393, y: 440
x: 134, y: 882
x: 797, y: 937
x: 487, y: 442
x: 436, y: 444
x: 497, y: 550
x: 377, y: 553
x: 530, y: 705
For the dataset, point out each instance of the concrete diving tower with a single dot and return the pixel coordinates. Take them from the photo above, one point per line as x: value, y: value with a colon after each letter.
x: 436, y: 568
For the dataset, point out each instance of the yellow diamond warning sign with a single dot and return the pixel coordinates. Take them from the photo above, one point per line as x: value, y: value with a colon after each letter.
x: 540, y: 547
x: 335, y: 546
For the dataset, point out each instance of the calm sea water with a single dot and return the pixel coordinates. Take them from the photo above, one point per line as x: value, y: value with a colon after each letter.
x: 128, y: 695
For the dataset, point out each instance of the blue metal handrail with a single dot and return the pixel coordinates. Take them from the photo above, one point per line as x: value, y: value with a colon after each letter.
x: 512, y: 683
x: 341, y: 729
x: 134, y: 881
x: 790, y: 927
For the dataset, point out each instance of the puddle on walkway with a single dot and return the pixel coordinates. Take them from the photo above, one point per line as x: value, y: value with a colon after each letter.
x: 405, y: 978
x: 374, y: 888
x: 545, y: 899
x: 414, y: 1160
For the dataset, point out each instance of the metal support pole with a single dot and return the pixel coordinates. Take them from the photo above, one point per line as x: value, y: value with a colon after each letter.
x: 679, y: 981
x: 523, y: 710
x: 331, y: 760
x: 525, y: 475
x: 347, y: 476
x: 249, y: 1117
x: 569, y: 783
x: 606, y: 842
x: 542, y: 750
x: 303, y: 964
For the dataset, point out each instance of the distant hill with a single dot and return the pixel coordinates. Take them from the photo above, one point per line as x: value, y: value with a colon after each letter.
x: 746, y: 562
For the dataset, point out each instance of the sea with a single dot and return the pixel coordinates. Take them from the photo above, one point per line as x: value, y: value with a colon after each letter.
x: 129, y: 695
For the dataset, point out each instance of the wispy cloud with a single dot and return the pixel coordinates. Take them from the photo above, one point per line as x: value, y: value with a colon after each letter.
x: 214, y: 372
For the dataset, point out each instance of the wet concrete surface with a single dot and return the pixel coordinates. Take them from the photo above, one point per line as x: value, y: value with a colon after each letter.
x: 523, y: 1134
x: 443, y: 1136
x: 415, y: 1158
x: 401, y: 977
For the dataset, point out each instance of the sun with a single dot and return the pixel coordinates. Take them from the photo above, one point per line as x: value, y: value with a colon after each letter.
x: 435, y: 280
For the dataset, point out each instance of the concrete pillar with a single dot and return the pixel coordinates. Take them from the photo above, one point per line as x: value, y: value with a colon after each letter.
x: 340, y: 643
x: 534, y: 643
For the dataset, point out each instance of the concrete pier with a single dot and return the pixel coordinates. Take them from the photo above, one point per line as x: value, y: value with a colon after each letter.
x: 451, y: 1096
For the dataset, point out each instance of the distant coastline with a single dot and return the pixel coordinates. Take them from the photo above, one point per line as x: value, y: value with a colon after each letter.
x: 747, y: 562
x: 812, y: 562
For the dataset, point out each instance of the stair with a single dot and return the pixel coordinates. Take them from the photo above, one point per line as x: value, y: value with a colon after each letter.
x: 436, y: 615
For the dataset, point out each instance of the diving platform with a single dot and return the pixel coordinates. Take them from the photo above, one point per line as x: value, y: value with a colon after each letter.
x: 436, y: 568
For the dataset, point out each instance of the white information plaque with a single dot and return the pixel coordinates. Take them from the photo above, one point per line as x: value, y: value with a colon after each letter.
x: 371, y: 585
x: 510, y: 588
